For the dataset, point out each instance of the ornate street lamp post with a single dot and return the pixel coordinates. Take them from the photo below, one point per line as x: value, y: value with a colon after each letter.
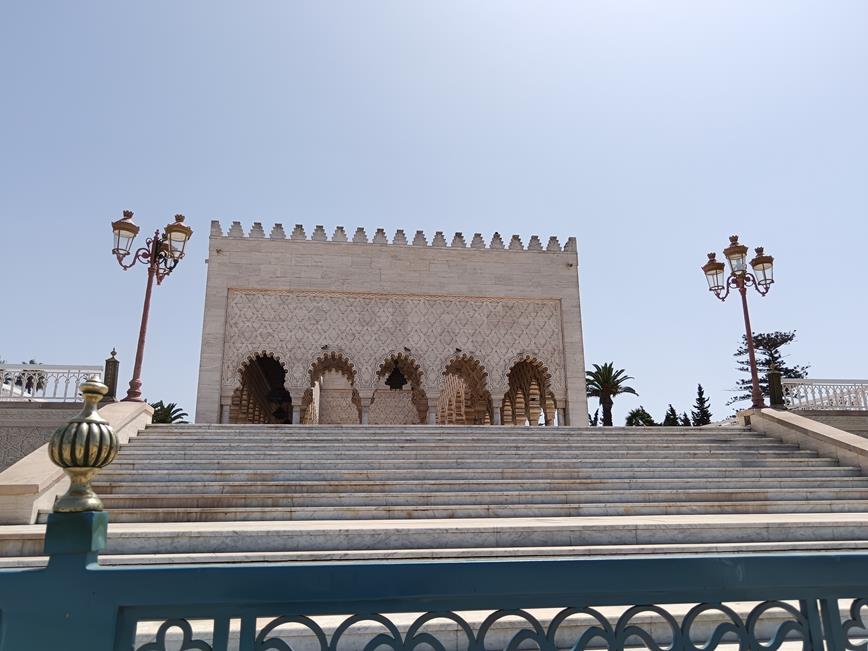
x: 161, y: 254
x: 740, y: 278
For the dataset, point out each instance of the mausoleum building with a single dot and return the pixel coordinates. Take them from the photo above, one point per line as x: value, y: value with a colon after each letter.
x: 346, y: 329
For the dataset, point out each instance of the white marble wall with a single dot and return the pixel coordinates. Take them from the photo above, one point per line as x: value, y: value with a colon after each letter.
x: 397, y: 273
x: 26, y: 426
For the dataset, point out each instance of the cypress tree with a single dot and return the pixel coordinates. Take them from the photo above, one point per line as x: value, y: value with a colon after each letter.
x: 684, y: 421
x: 671, y: 417
x: 701, y: 413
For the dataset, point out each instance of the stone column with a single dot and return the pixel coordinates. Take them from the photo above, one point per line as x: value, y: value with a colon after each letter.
x: 519, y: 412
x: 433, y: 399
x: 497, y: 393
x: 296, y: 394
x: 563, y: 410
x: 549, y: 411
x: 366, y: 397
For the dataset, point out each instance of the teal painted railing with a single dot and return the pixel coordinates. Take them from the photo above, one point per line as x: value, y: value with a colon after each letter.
x: 74, y: 604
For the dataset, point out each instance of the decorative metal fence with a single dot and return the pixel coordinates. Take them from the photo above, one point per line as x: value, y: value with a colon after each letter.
x: 826, y: 394
x: 75, y: 604
x: 43, y: 382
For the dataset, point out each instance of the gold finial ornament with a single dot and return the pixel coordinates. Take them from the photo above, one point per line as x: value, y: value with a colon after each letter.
x: 81, y: 447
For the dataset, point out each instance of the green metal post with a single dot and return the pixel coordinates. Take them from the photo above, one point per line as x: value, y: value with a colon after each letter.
x: 68, y: 613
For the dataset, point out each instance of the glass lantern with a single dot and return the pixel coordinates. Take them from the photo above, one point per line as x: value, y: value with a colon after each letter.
x: 125, y: 231
x: 713, y: 270
x: 763, y: 269
x: 177, y: 235
x: 737, y: 255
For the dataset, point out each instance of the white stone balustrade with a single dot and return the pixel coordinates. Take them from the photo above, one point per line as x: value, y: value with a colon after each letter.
x: 826, y: 394
x: 43, y: 382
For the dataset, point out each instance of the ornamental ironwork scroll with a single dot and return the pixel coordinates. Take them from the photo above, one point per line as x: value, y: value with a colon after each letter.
x: 703, y: 627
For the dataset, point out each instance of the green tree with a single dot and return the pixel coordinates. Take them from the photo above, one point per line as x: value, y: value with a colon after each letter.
x: 671, y: 417
x: 639, y: 417
x: 604, y: 382
x: 684, y: 421
x: 701, y: 414
x: 594, y: 420
x: 768, y: 351
x: 168, y: 413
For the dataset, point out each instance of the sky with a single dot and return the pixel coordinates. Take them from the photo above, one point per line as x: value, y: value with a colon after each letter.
x: 651, y: 131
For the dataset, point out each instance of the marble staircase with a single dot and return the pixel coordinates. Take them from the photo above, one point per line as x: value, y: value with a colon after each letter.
x: 228, y: 492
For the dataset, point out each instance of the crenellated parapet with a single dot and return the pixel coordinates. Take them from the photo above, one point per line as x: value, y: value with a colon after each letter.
x: 359, y: 236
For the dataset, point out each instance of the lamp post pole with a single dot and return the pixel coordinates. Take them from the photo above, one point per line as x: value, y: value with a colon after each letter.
x: 756, y: 393
x: 740, y: 278
x: 161, y: 254
x: 134, y: 393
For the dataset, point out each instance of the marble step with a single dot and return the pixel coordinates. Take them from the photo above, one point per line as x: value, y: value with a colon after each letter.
x: 423, y: 554
x: 254, y: 452
x: 227, y: 514
x: 448, y: 433
x: 439, y: 439
x: 479, y: 460
x: 452, y: 447
x: 502, y: 533
x: 433, y: 446
x: 482, y: 459
x: 435, y: 438
x: 386, y: 444
x: 336, y: 474
x: 481, y: 430
x: 231, y: 483
x: 453, y: 432
x: 553, y: 497
x: 422, y: 467
x: 499, y: 479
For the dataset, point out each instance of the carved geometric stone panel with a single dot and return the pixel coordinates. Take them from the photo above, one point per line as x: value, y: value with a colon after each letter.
x: 295, y: 326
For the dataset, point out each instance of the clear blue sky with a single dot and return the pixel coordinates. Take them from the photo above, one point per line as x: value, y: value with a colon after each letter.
x: 649, y: 130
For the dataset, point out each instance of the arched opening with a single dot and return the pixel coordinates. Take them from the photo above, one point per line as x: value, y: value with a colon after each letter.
x: 529, y: 400
x: 398, y: 397
x: 261, y: 396
x: 332, y: 398
x: 464, y: 398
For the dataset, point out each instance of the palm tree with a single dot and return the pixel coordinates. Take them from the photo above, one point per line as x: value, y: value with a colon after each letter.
x: 604, y: 382
x: 170, y: 413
